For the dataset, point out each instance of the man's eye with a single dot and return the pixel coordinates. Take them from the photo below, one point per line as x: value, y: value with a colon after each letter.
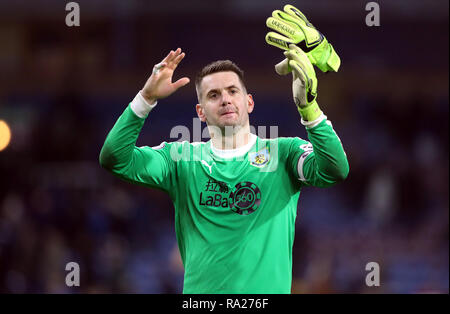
x: 212, y: 95
x: 233, y: 91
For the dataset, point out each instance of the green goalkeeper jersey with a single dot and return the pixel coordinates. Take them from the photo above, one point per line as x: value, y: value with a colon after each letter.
x: 234, y: 214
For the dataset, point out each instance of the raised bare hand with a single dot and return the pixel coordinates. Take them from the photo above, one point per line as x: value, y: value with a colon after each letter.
x: 159, y: 85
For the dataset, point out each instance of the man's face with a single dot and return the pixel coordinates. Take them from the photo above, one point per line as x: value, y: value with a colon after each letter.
x: 224, y: 102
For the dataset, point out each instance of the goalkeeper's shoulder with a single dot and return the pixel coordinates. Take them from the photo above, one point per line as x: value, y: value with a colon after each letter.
x: 288, y: 145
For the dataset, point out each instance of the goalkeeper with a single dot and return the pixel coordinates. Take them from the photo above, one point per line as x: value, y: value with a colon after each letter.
x: 234, y: 217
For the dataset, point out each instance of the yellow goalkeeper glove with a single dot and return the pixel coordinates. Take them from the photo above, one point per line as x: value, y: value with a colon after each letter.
x: 293, y: 28
x: 304, y: 84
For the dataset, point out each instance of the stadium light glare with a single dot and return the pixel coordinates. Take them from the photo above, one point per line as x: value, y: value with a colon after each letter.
x: 5, y: 135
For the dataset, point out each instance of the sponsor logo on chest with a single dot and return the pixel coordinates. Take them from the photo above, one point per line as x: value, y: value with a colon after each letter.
x: 243, y: 199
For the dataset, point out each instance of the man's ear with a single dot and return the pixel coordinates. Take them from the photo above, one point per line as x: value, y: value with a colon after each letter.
x: 200, y: 112
x: 250, y: 103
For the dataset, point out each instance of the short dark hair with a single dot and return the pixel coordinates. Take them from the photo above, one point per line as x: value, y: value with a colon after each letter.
x: 215, y: 67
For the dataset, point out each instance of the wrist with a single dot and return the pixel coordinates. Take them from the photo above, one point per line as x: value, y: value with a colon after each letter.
x: 314, y: 123
x: 140, y: 106
x: 310, y: 112
x: 148, y: 98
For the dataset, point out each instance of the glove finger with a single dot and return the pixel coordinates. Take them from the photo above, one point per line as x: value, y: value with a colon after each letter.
x: 293, y: 11
x: 312, y: 36
x: 290, y: 18
x: 293, y: 55
x: 320, y: 52
x: 286, y: 28
x: 302, y: 59
x: 310, y: 86
x: 298, y: 72
x: 278, y: 40
x: 282, y: 68
x: 305, y: 75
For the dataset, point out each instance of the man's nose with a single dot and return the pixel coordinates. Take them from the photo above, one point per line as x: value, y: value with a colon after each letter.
x: 226, y: 98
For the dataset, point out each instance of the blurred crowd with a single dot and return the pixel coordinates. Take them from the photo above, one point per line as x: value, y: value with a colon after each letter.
x: 62, y: 90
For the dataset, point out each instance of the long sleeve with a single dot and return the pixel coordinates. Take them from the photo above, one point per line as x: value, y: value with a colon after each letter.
x: 321, y: 161
x: 324, y: 163
x: 149, y: 166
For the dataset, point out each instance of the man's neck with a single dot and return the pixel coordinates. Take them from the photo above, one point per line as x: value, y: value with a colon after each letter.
x: 231, y: 138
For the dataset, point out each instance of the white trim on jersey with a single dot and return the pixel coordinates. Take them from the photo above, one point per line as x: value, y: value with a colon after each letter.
x: 311, y: 124
x: 140, y: 106
x: 231, y: 153
x: 301, y: 160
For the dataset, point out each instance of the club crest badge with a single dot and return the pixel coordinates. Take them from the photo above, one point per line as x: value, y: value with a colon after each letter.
x: 260, y: 158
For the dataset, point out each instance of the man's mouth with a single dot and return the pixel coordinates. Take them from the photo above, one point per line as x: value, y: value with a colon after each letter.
x: 228, y: 113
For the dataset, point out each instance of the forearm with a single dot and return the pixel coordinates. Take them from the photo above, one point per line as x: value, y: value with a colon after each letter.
x: 117, y: 150
x: 329, y: 163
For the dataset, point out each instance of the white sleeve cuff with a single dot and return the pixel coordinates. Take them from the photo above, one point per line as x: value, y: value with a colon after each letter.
x: 311, y: 124
x: 140, y: 106
x: 301, y: 160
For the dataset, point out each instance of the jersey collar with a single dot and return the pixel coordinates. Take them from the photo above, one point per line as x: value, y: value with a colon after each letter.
x: 237, y: 152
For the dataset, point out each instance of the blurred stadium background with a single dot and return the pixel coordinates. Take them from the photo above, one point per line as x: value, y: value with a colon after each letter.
x: 62, y: 88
